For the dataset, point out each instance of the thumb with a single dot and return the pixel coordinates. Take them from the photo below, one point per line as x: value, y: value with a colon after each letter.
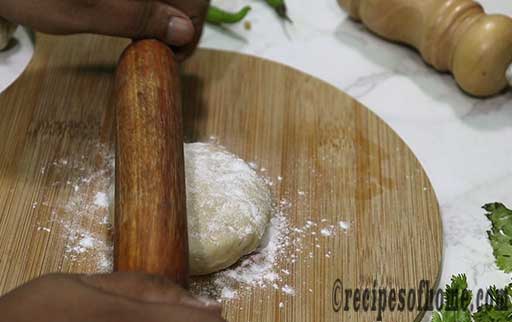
x: 148, y: 288
x: 140, y: 19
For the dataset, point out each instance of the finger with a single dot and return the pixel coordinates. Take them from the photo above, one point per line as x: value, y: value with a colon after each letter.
x: 196, y: 10
x: 148, y: 288
x: 127, y: 18
x: 140, y: 19
x: 176, y: 22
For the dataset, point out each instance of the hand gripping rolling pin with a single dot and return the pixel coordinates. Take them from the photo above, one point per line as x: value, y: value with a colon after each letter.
x: 451, y: 35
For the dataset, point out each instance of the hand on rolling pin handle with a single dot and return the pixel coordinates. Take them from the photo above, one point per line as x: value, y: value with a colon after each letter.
x: 178, y: 23
x: 127, y: 297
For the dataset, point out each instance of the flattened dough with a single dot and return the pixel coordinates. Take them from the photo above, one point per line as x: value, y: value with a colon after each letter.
x: 228, y: 205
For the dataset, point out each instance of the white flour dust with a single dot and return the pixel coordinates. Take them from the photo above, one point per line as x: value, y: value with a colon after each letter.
x: 82, y: 220
x: 84, y: 223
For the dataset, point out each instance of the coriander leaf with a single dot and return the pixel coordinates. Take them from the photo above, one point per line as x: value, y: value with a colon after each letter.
x: 456, y: 301
x: 454, y: 316
x: 500, y: 235
x: 501, y: 308
x: 437, y: 317
x: 489, y: 313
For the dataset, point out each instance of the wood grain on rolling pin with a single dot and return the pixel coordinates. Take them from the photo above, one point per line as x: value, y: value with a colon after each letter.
x: 151, y: 227
x: 451, y: 35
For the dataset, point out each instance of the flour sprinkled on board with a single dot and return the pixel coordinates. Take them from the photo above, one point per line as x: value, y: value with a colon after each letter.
x: 344, y: 225
x: 101, y: 200
x: 83, y: 219
x: 327, y: 232
x: 84, y: 222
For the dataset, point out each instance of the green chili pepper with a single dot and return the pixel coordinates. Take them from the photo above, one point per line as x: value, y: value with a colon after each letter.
x: 280, y: 8
x: 218, y: 16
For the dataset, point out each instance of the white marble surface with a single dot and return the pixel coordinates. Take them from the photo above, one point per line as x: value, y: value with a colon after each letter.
x: 15, y: 58
x: 464, y: 143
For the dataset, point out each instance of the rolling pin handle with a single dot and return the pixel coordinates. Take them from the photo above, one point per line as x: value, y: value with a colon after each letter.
x: 150, y: 209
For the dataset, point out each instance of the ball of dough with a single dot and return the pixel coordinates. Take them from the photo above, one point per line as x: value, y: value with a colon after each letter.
x: 228, y: 206
x: 7, y: 29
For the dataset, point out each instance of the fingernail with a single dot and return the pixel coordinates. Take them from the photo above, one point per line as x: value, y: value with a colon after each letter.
x: 180, y: 31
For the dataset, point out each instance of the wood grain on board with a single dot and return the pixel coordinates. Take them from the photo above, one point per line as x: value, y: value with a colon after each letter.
x: 338, y: 161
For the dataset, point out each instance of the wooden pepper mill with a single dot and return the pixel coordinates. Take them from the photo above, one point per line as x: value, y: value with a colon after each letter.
x: 150, y: 222
x: 451, y: 35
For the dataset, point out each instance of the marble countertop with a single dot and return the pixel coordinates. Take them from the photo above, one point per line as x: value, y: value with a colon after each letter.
x: 15, y: 58
x: 462, y: 142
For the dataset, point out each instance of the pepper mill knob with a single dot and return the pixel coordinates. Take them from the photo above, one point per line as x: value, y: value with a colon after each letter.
x: 451, y: 35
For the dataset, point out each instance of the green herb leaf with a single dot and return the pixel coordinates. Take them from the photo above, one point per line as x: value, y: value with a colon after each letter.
x: 501, y: 308
x: 457, y: 298
x: 437, y: 317
x: 500, y: 234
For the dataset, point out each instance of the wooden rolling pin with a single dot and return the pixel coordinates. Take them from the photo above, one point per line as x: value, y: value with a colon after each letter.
x: 451, y: 35
x: 150, y: 220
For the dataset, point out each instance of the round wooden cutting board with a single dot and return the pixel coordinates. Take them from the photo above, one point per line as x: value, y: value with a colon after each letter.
x: 329, y: 158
